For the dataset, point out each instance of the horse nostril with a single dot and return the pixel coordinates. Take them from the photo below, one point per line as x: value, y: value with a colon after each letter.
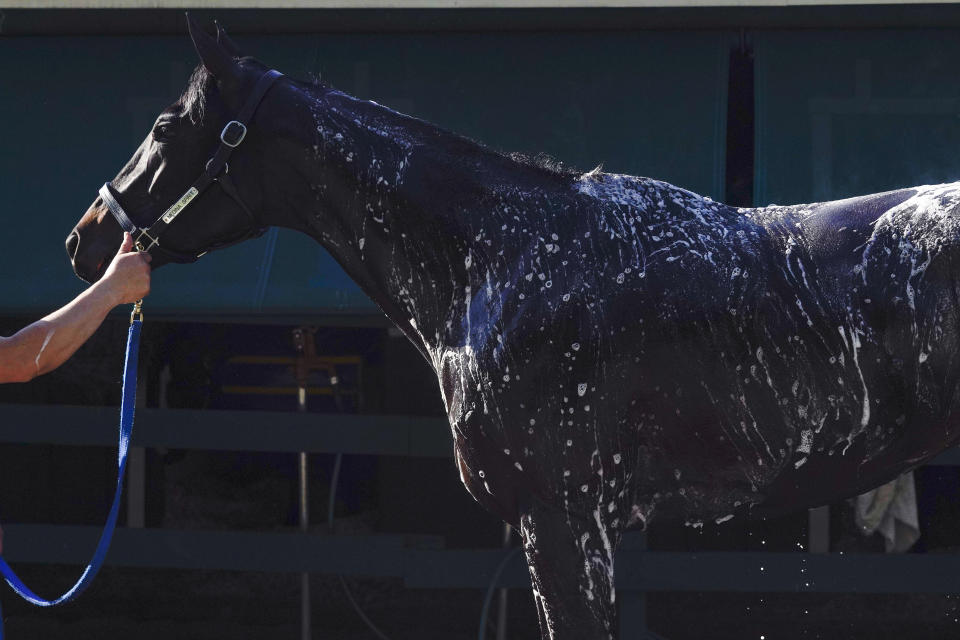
x: 73, y: 242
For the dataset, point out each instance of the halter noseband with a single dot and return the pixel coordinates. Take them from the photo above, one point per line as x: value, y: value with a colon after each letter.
x: 230, y: 138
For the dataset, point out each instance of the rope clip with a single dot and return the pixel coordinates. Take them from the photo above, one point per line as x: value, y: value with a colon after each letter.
x: 137, y: 313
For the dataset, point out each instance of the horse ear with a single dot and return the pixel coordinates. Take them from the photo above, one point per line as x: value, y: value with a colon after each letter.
x: 214, y: 56
x: 226, y: 41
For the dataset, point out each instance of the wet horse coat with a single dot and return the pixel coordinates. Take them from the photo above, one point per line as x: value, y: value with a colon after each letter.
x: 659, y: 354
x: 610, y: 349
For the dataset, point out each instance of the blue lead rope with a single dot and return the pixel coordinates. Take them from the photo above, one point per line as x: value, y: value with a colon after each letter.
x: 126, y: 427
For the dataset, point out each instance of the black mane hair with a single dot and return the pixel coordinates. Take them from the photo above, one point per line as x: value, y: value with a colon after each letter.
x: 192, y: 103
x: 545, y: 162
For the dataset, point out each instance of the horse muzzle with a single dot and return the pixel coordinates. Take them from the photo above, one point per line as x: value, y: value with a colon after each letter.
x: 92, y: 243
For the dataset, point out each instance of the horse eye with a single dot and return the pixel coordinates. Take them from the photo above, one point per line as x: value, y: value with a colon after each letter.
x: 163, y: 131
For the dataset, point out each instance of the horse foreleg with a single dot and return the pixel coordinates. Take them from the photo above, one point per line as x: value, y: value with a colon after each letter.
x: 570, y: 559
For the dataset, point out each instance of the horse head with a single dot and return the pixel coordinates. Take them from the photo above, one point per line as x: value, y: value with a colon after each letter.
x: 178, y: 152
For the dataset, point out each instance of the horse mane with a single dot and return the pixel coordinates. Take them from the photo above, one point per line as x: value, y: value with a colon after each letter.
x: 540, y: 162
x: 192, y: 103
x: 546, y: 162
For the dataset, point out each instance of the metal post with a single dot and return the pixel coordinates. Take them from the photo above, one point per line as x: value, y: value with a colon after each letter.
x: 502, y: 603
x: 304, y: 527
x: 298, y: 339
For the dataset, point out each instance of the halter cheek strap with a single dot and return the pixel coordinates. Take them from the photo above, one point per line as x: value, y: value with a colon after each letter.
x: 230, y: 138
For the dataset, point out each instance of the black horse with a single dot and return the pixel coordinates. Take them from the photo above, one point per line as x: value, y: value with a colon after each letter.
x: 610, y: 349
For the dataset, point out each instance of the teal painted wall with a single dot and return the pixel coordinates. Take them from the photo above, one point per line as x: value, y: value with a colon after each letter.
x: 843, y: 113
x: 72, y: 110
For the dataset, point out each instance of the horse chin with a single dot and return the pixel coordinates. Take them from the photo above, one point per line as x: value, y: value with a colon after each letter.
x: 89, y: 276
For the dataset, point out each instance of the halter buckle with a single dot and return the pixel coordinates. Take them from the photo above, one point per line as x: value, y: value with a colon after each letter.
x: 138, y: 241
x: 233, y: 133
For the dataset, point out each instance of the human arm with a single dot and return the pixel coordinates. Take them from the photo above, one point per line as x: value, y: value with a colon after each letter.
x: 47, y: 343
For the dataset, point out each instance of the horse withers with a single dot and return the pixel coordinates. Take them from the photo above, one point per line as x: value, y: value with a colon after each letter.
x: 610, y: 349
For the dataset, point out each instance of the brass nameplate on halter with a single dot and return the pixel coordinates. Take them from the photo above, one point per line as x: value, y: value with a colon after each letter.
x: 179, y: 205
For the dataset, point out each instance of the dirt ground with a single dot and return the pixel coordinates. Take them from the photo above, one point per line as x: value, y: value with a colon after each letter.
x: 201, y: 605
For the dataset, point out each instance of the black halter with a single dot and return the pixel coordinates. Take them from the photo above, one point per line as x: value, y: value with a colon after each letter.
x: 230, y: 138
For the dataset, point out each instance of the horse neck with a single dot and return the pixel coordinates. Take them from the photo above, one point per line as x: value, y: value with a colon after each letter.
x: 400, y: 204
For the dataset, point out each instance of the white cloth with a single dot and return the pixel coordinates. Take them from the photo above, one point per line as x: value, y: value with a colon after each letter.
x: 891, y: 511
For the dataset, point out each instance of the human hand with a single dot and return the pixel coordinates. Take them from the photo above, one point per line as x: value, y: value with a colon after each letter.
x: 127, y: 279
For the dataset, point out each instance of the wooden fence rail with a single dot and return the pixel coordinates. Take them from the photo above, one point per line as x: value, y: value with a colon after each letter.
x: 229, y: 430
x: 422, y: 561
